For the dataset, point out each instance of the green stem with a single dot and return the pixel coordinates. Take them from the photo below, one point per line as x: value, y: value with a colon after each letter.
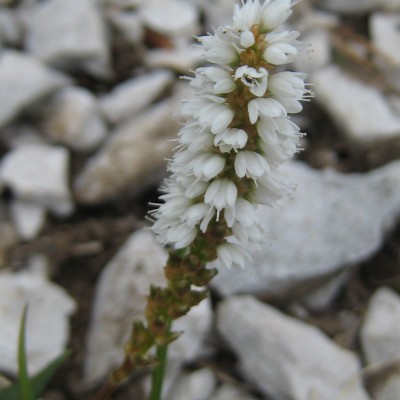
x: 157, y: 377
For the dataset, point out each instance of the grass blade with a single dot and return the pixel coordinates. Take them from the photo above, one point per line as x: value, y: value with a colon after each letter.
x: 23, y: 378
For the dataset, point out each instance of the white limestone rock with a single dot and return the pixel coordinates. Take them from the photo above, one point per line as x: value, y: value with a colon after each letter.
x: 131, y: 159
x: 229, y: 392
x: 19, y: 134
x: 23, y: 82
x: 39, y: 173
x: 332, y: 220
x: 197, y: 385
x: 181, y: 59
x: 390, y: 5
x: 28, y: 217
x: 217, y: 12
x: 134, y: 95
x: 72, y: 118
x: 47, y: 329
x: 321, y: 298
x: 174, y: 18
x: 350, y: 6
x: 380, y: 332
x: 68, y: 34
x: 10, y: 27
x: 359, y: 109
x: 315, y: 27
x: 8, y: 239
x: 121, y: 298
x: 286, y: 358
x: 380, y: 338
x: 128, y: 23
x: 384, y: 28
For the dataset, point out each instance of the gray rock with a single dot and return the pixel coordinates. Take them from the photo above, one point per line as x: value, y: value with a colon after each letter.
x: 122, y: 4
x: 350, y: 6
x: 39, y: 173
x: 331, y: 221
x: 133, y: 95
x: 121, y: 298
x: 49, y: 308
x: 181, y: 59
x: 230, y: 392
x: 390, y: 388
x: 386, y: 39
x: 390, y: 5
x: 286, y: 358
x: 380, y: 338
x: 197, y: 385
x: 23, y: 82
x: 380, y: 333
x: 174, y: 18
x: 28, y: 217
x: 72, y: 117
x: 19, y: 134
x: 10, y: 27
x: 386, y: 36
x: 131, y: 159
x: 217, y: 12
x: 315, y: 27
x: 361, y: 110
x: 321, y: 298
x: 129, y: 23
x: 68, y: 34
x: 8, y: 239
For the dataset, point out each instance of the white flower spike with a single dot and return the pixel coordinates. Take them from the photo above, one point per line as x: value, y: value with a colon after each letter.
x: 236, y: 136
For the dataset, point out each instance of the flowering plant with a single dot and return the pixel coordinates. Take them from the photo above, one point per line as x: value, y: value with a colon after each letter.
x: 237, y: 134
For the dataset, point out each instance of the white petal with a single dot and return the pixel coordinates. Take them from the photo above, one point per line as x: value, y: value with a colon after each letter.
x: 253, y: 111
x: 247, y: 39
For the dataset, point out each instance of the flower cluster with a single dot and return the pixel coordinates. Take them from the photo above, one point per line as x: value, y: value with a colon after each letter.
x: 236, y: 135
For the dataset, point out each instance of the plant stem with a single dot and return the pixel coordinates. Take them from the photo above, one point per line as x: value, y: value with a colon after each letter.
x: 157, y: 377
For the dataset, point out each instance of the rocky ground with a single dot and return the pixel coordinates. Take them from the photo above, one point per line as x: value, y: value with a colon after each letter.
x: 88, y: 94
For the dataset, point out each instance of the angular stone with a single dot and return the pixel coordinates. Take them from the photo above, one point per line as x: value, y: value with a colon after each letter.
x: 286, y: 358
x: 385, y: 35
x: 217, y: 12
x: 132, y: 159
x: 68, y: 34
x: 73, y: 118
x: 181, y: 59
x: 10, y: 28
x: 39, y: 173
x: 196, y: 385
x: 8, y: 239
x: 360, y: 110
x: 350, y: 6
x: 175, y: 18
x: 28, y: 217
x: 229, y: 392
x: 47, y: 330
x: 380, y: 339
x: 129, y: 23
x: 315, y: 27
x: 133, y: 95
x: 380, y: 332
x: 121, y: 298
x: 23, y: 82
x: 358, y: 210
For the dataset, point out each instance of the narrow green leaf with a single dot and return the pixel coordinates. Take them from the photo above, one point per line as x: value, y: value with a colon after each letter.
x: 39, y: 381
x: 23, y: 378
x: 42, y: 378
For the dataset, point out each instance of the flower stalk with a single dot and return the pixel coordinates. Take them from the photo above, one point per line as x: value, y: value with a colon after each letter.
x: 237, y: 133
